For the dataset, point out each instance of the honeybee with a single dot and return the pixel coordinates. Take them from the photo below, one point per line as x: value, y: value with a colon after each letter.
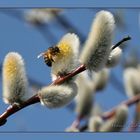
x: 49, y: 54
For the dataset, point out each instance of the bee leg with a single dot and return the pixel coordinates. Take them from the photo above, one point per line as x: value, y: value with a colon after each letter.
x: 52, y: 60
x: 49, y: 63
x: 61, y: 74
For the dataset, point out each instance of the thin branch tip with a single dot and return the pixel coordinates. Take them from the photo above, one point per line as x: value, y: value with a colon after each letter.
x: 111, y: 113
x: 121, y: 42
x: 128, y: 37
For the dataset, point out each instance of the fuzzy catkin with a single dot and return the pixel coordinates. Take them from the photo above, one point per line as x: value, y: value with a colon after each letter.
x: 72, y: 129
x: 131, y: 81
x: 95, y: 123
x: 40, y: 16
x: 56, y: 96
x: 117, y: 122
x: 132, y: 87
x: 15, y: 84
x: 67, y: 59
x: 100, y: 79
x: 97, y: 47
x: 84, y: 98
x: 114, y: 57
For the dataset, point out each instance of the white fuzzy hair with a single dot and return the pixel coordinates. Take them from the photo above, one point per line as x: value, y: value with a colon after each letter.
x: 114, y: 57
x: 100, y: 79
x: 72, y: 129
x: 95, y: 123
x: 15, y: 82
x: 56, y: 96
x: 69, y: 61
x: 131, y: 81
x: 38, y: 16
x: 97, y: 47
x: 117, y: 122
x: 84, y: 98
x: 73, y: 41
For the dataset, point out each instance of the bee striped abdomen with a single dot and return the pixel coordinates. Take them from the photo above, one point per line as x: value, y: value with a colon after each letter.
x: 47, y: 60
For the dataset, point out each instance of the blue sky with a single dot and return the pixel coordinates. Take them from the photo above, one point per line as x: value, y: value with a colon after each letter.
x: 71, y: 3
x: 21, y: 37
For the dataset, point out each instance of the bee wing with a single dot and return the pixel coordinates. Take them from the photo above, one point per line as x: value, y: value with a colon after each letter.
x: 40, y: 55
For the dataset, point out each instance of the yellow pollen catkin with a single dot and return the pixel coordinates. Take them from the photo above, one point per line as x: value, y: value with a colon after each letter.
x: 10, y: 67
x: 65, y: 50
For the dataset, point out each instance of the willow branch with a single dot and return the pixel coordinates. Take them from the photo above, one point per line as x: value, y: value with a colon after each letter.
x: 111, y: 113
x: 35, y: 99
x: 121, y: 42
x: 129, y: 102
x: 60, y: 80
x: 15, y: 108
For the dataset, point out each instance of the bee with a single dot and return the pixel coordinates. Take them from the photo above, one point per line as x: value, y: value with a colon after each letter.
x: 49, y: 54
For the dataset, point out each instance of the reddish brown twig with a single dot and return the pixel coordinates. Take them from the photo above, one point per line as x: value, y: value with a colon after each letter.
x: 111, y: 113
x: 15, y: 108
x: 128, y: 102
x: 121, y: 41
x: 60, y: 80
x: 136, y: 120
x: 35, y: 99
